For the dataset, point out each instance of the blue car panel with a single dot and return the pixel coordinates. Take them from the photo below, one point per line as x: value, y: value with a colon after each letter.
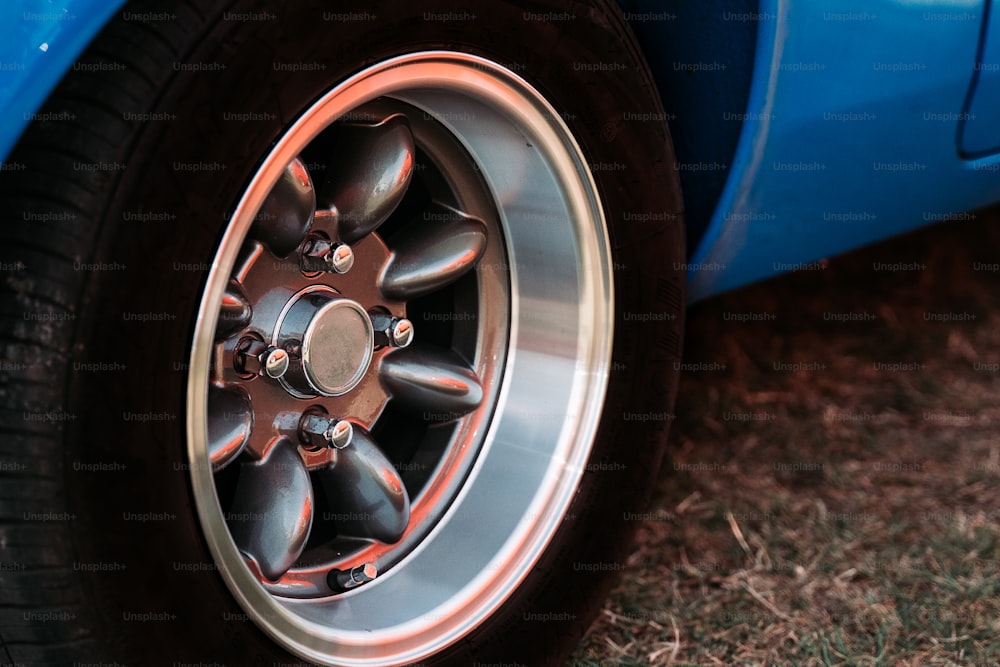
x: 42, y: 39
x: 980, y: 132
x: 851, y: 136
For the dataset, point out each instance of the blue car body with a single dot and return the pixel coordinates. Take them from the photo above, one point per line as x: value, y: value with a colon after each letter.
x: 803, y: 128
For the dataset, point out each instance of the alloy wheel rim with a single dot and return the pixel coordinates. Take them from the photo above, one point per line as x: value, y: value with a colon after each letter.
x: 307, y: 357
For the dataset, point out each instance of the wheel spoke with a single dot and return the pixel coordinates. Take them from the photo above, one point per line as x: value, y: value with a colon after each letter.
x: 235, y: 313
x: 272, y: 512
x: 287, y: 213
x: 229, y: 424
x: 433, y: 251
x: 366, y: 494
x: 432, y: 380
x: 369, y: 175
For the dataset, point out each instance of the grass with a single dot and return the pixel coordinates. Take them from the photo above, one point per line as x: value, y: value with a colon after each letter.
x: 845, y: 511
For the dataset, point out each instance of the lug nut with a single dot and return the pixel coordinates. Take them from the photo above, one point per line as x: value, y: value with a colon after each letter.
x: 342, y: 258
x: 255, y: 357
x: 345, y: 580
x: 321, y: 254
x: 392, y: 331
x: 337, y: 433
x: 275, y: 362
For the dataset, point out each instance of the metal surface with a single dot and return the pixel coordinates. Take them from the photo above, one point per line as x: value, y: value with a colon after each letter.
x: 333, y: 340
x: 445, y: 244
x: 370, y: 176
x: 337, y: 432
x: 236, y: 311
x: 357, y: 576
x: 284, y: 219
x: 495, y: 406
x: 432, y: 380
x: 276, y: 362
x: 272, y: 513
x: 230, y: 422
x: 320, y: 254
x: 389, y: 330
x: 366, y: 495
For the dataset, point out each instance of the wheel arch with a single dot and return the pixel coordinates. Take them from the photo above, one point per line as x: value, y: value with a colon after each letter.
x: 703, y: 59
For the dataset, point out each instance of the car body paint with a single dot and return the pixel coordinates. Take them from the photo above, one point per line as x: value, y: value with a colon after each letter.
x: 42, y: 40
x: 979, y: 129
x: 851, y: 136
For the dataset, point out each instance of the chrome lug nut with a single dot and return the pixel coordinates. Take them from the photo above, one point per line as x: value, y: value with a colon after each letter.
x: 275, y: 362
x: 255, y: 357
x: 320, y: 254
x: 337, y: 433
x: 342, y: 258
x: 345, y: 580
x: 392, y: 331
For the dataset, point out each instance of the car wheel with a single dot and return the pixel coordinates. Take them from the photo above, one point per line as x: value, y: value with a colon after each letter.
x: 341, y: 335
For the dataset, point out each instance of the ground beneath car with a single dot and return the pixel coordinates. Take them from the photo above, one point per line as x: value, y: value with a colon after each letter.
x: 833, y: 495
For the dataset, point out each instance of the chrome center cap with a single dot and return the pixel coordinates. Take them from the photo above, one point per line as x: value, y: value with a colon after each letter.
x: 330, y: 340
x: 337, y: 347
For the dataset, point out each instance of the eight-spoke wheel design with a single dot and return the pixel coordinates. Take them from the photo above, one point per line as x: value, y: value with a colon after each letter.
x: 313, y: 342
x: 400, y: 360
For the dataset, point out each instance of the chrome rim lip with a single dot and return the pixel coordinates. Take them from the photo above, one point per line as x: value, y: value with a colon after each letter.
x: 574, y: 342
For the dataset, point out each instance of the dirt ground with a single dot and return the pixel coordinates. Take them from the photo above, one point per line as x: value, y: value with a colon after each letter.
x: 831, y: 496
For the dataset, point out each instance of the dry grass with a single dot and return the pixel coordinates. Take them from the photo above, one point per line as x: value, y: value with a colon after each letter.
x: 845, y: 515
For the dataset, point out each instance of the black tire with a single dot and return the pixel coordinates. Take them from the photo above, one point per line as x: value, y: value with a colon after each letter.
x: 101, y: 554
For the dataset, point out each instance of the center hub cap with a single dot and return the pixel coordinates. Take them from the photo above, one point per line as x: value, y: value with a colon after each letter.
x: 330, y: 341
